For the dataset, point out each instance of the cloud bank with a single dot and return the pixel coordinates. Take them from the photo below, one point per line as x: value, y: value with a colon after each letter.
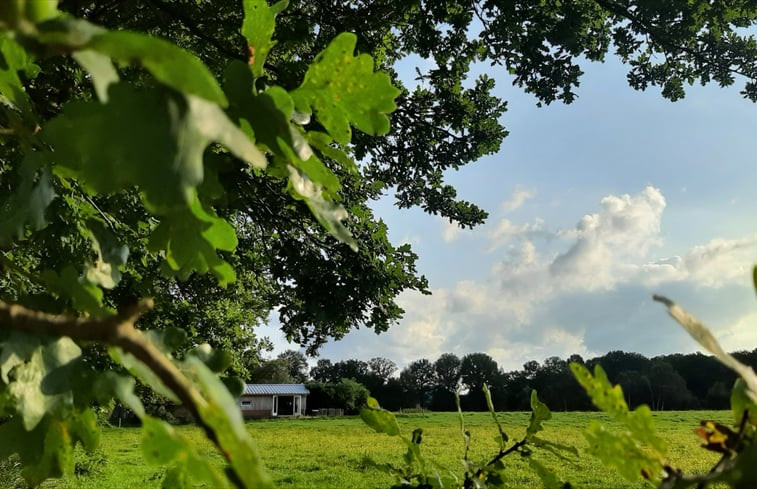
x: 585, y: 289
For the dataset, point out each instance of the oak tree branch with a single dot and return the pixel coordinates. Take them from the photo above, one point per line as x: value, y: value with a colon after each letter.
x: 118, y: 331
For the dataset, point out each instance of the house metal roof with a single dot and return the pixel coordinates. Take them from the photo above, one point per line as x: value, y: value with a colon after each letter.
x: 275, y: 389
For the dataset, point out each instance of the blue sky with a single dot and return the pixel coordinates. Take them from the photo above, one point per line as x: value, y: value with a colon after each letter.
x: 593, y: 207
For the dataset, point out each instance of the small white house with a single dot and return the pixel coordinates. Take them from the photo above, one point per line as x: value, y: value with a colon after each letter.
x: 264, y: 400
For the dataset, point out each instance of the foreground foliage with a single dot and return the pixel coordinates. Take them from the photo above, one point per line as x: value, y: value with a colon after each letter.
x: 632, y: 447
x: 636, y: 450
x: 156, y: 133
x: 419, y: 472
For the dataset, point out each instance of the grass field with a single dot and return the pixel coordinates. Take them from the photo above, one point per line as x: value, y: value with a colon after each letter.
x: 329, y: 453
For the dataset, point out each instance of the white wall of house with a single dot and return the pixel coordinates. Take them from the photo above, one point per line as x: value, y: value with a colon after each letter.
x: 260, y: 405
x: 256, y: 403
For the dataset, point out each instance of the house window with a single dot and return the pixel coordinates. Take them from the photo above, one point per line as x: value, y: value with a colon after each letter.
x: 246, y: 404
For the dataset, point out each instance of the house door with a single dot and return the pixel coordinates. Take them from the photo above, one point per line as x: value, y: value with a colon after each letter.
x: 285, y: 406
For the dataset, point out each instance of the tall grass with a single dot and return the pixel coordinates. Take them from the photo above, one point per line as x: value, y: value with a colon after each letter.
x: 330, y: 453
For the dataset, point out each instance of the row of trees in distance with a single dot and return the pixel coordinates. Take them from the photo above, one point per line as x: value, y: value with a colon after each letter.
x: 668, y: 382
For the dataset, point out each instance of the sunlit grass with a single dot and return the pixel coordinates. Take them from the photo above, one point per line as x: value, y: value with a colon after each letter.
x: 329, y: 453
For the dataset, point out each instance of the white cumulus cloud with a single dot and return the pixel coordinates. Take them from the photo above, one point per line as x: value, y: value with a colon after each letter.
x: 567, y: 291
x: 519, y: 196
x: 450, y: 232
x: 610, y: 243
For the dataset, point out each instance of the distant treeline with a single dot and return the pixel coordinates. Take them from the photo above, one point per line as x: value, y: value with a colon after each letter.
x: 678, y: 381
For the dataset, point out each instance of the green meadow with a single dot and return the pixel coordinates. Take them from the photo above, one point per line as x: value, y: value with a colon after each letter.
x: 331, y: 452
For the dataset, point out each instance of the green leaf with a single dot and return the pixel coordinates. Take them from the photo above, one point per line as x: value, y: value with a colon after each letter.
x: 606, y: 397
x: 380, y: 420
x: 344, y: 89
x: 14, y: 59
x: 637, y: 449
x: 267, y: 117
x: 84, y: 295
x: 211, y: 190
x: 33, y: 400
x: 57, y: 454
x: 623, y: 453
x: 212, y: 124
x: 610, y: 399
x: 162, y: 445
x: 190, y: 240
x: 16, y: 439
x: 465, y: 433
x: 413, y: 455
x: 559, y: 450
x: 235, y: 385
x: 741, y: 401
x: 257, y: 28
x: 153, y: 138
x: 322, y: 142
x: 27, y: 205
x: 547, y: 476
x: 100, y: 68
x: 539, y: 413
x: 167, y: 62
x: 16, y: 349
x: 328, y: 213
x: 266, y: 113
x: 215, y: 359
x: 320, y: 174
x: 37, y: 10
x: 7, y: 404
x: 45, y: 451
x: 67, y: 31
x: 83, y: 428
x: 502, y: 438
x: 174, y: 338
x: 222, y: 414
x: 111, y: 255
x: 110, y: 385
x: 142, y: 371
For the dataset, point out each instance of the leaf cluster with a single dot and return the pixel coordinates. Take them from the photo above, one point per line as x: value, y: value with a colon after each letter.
x: 139, y: 169
x: 638, y: 451
x: 419, y: 472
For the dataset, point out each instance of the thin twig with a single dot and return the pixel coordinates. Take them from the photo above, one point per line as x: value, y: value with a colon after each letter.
x: 504, y: 453
x: 107, y: 218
